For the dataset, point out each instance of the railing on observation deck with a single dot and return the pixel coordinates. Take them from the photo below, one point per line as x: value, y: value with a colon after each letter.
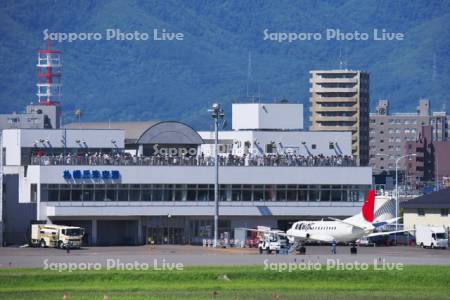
x: 240, y: 161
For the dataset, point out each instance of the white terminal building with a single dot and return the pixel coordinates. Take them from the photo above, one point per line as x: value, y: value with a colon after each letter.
x: 123, y: 183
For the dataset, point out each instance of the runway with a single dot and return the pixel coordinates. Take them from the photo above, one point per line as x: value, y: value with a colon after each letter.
x: 14, y: 257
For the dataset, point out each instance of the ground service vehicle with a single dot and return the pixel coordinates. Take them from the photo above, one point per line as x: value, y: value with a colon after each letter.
x: 272, y: 241
x: 432, y: 236
x: 56, y: 236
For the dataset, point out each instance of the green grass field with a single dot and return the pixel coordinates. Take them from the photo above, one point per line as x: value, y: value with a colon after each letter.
x: 414, y: 282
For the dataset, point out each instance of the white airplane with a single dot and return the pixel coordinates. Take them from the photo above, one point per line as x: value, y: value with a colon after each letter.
x: 347, y: 230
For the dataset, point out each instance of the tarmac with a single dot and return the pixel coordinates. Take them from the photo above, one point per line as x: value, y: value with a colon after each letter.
x: 170, y: 256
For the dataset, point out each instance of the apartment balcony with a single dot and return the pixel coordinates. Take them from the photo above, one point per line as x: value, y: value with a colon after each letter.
x: 319, y: 79
x: 321, y: 127
x: 333, y: 90
x: 335, y: 119
x: 319, y: 99
x: 319, y: 108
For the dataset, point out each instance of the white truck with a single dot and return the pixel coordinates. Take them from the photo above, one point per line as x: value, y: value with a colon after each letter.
x: 269, y: 242
x: 56, y: 236
x: 431, y: 236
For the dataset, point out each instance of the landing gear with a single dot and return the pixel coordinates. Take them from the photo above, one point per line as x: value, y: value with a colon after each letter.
x: 353, y: 249
x: 302, y: 250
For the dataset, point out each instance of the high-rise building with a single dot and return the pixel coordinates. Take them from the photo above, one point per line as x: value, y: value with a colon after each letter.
x: 390, y: 131
x: 340, y: 102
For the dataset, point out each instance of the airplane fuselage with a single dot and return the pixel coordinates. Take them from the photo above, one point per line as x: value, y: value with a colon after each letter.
x: 325, y: 231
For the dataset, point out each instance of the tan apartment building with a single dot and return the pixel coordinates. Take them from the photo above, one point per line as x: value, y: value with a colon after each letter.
x: 340, y: 102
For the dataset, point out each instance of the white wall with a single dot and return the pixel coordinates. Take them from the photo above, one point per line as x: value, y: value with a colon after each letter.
x: 276, y: 209
x: 11, y: 143
x: 204, y: 175
x: 285, y: 141
x: 75, y: 138
x: 287, y: 116
x: 15, y: 139
x: 245, y: 116
x: 432, y: 217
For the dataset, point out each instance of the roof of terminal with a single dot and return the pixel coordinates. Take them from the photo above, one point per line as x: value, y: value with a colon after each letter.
x: 148, y: 132
x: 439, y: 199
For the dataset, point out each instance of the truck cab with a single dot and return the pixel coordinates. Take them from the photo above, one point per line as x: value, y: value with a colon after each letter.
x: 432, y: 236
x: 439, y: 240
x: 70, y: 237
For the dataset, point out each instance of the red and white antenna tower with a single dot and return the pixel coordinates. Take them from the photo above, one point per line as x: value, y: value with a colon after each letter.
x: 49, y: 76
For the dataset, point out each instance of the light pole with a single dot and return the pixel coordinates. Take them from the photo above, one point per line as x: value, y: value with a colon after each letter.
x: 397, y: 160
x: 216, y: 113
x: 168, y: 228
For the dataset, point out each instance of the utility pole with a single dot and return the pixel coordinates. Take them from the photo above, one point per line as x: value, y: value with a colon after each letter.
x: 436, y: 161
x: 216, y: 114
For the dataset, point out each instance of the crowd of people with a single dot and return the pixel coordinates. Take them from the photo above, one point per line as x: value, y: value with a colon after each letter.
x: 285, y: 160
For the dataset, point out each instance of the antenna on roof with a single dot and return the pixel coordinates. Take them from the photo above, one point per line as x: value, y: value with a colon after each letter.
x: 259, y: 93
x: 249, y: 71
x: 342, y: 60
x: 78, y: 116
x: 434, y: 73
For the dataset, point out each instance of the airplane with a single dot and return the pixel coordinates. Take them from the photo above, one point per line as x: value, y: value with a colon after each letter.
x: 347, y: 231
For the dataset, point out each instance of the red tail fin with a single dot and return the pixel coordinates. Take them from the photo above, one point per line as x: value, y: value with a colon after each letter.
x: 369, y: 206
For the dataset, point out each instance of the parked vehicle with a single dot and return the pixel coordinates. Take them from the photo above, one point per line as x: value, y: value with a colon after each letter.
x: 56, y: 236
x: 365, y: 242
x: 272, y: 241
x: 405, y: 239
x: 432, y: 236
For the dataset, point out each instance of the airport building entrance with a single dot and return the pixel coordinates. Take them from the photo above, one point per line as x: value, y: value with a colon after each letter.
x: 184, y: 230
x: 168, y: 235
x: 167, y: 230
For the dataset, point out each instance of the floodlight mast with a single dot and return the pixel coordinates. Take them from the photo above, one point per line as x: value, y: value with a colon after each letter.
x: 217, y: 114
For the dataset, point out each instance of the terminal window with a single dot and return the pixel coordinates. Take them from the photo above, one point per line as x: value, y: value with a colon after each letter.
x: 202, y: 192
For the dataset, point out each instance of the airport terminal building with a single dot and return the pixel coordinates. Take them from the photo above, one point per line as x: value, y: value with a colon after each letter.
x: 121, y: 182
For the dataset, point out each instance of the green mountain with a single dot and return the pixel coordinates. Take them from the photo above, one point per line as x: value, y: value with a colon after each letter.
x: 138, y: 80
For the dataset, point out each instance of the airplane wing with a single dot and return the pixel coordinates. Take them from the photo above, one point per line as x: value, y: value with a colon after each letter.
x: 382, y: 223
x: 269, y: 231
x: 387, y: 232
x: 314, y: 237
x: 347, y: 223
